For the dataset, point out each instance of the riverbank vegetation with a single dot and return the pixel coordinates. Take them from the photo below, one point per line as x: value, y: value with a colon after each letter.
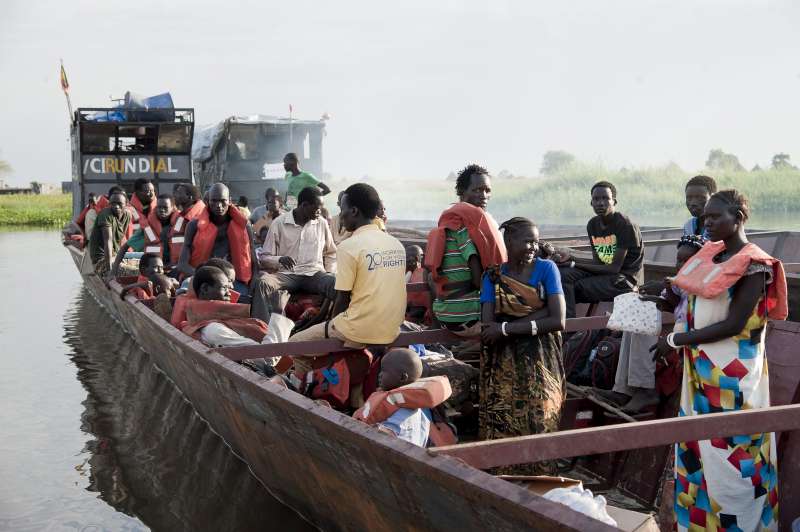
x: 40, y: 210
x: 652, y: 196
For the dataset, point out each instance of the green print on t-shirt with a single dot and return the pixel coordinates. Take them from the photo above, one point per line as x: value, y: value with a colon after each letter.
x: 605, y: 246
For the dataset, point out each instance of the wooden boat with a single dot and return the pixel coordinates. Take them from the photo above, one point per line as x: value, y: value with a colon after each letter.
x: 343, y: 475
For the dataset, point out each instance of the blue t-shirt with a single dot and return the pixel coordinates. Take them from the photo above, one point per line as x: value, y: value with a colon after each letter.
x: 545, y: 273
x: 690, y: 227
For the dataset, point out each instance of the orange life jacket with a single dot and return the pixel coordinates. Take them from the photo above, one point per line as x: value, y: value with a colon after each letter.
x: 139, y: 210
x: 482, y: 231
x: 238, y: 242
x: 419, y: 299
x: 703, y: 277
x: 422, y: 393
x: 151, y: 226
x: 235, y: 316
x: 178, y: 229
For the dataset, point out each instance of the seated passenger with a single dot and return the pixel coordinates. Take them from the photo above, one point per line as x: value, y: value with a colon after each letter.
x: 80, y: 229
x: 224, y: 233
x: 465, y: 243
x: 635, y: 383
x: 266, y: 215
x: 149, y: 265
x: 152, y: 235
x: 242, y: 205
x: 299, y: 249
x: 617, y: 262
x: 698, y: 190
x: 419, y: 303
x: 143, y: 200
x: 112, y: 227
x: 213, y: 319
x: 188, y: 206
x: 370, y: 286
x: 337, y: 229
x: 405, y: 414
x: 179, y: 308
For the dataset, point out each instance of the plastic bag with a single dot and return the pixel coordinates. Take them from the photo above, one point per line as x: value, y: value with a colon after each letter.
x: 582, y: 500
x: 631, y: 314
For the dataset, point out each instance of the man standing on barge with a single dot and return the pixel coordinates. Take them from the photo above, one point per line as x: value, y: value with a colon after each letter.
x: 112, y: 227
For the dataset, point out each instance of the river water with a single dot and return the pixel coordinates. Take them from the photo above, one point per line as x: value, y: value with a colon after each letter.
x: 92, y: 436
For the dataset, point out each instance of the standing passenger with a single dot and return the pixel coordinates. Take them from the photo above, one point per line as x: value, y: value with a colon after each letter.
x: 731, y: 482
x: 189, y: 206
x: 522, y: 373
x: 464, y: 244
x: 698, y: 191
x: 298, y: 180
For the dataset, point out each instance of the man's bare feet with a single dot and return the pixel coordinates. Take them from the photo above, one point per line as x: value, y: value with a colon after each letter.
x: 615, y: 398
x: 642, y: 399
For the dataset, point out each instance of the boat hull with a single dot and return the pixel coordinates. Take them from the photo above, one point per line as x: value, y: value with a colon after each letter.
x: 334, y: 471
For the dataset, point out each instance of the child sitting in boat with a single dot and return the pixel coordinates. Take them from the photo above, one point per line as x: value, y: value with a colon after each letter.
x: 149, y: 264
x: 186, y: 292
x: 401, y: 405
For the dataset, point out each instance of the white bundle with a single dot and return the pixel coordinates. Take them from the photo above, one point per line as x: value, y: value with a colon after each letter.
x: 631, y: 314
x: 581, y: 500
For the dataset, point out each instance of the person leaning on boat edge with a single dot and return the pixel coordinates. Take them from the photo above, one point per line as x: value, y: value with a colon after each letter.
x: 465, y: 242
x: 370, y: 302
x: 234, y: 242
x: 112, y: 226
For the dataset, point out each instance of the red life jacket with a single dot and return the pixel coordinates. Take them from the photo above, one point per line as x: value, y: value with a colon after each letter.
x: 422, y: 393
x: 151, y: 226
x: 419, y: 299
x: 703, y: 277
x: 137, y: 206
x: 101, y: 204
x: 178, y: 318
x: 142, y: 293
x: 238, y: 242
x: 235, y: 316
x: 482, y: 231
x: 178, y: 229
x: 333, y: 376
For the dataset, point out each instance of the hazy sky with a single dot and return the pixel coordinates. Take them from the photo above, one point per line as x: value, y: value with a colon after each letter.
x: 420, y: 88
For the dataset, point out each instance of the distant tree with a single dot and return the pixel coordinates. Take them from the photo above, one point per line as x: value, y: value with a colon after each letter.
x: 780, y: 161
x: 451, y: 176
x: 5, y: 167
x: 555, y: 160
x: 756, y: 168
x: 719, y: 160
x: 505, y: 174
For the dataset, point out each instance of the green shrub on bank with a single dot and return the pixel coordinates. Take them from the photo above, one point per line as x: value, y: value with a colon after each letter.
x: 651, y: 196
x: 35, y: 210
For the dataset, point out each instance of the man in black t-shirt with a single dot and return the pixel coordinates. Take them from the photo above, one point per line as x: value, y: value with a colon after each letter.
x: 617, y: 263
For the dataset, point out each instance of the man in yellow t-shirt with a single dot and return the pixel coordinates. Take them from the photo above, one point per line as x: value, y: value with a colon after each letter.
x: 370, y: 280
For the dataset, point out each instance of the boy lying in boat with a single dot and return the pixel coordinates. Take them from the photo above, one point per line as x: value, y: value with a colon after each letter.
x: 401, y: 405
x: 213, y: 319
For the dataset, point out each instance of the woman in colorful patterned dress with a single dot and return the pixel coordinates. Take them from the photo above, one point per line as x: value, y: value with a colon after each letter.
x: 522, y: 373
x: 734, y: 287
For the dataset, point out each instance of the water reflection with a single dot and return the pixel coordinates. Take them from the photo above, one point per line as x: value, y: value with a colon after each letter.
x: 152, y: 456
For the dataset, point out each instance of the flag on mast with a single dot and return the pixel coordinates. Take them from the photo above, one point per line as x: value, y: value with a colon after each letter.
x: 64, y: 82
